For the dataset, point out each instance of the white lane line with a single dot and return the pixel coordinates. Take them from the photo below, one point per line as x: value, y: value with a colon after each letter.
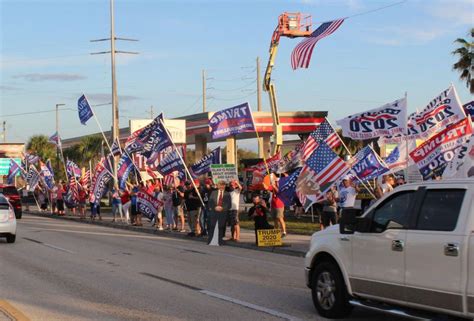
x: 57, y: 248
x: 251, y: 306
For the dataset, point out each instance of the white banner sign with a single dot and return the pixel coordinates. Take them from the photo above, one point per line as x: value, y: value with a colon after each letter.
x: 388, y: 120
x: 223, y: 172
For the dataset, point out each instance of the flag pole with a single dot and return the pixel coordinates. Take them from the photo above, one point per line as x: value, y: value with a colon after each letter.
x: 406, y: 141
x: 350, y: 154
x: 184, y: 164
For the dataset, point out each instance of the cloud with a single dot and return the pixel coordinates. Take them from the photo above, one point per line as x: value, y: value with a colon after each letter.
x: 36, y: 77
x: 459, y: 12
x: 8, y: 88
x: 398, y: 36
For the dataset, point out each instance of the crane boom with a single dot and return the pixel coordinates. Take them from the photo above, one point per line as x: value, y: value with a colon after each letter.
x: 290, y: 25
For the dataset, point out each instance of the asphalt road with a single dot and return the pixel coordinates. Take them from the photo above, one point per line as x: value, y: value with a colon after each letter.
x: 59, y: 270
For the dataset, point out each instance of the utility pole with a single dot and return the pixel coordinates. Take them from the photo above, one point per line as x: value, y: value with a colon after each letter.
x: 259, y: 87
x: 151, y: 112
x: 203, y: 91
x: 115, y: 109
x: 4, y: 131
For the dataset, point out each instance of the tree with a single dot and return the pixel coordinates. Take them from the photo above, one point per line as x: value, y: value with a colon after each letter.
x: 90, y: 148
x: 465, y: 63
x: 352, y: 145
x: 40, y: 145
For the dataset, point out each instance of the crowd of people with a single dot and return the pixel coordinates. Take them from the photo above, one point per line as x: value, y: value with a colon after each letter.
x: 215, y: 204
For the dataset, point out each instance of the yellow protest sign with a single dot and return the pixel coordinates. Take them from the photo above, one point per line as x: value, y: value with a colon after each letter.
x: 269, y: 237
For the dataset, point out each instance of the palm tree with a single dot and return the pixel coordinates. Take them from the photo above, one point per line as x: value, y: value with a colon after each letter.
x: 352, y: 145
x: 40, y: 145
x: 90, y: 148
x: 465, y: 63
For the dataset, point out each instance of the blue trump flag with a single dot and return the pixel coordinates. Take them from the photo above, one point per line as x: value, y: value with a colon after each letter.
x: 367, y: 165
x: 84, y: 109
x: 203, y: 166
x: 172, y: 162
x: 125, y: 165
x: 287, y: 187
x: 153, y: 137
x: 232, y: 121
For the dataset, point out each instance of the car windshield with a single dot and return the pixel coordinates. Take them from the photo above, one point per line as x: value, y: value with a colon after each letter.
x: 8, y: 190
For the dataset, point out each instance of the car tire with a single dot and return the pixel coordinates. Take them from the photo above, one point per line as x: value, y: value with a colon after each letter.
x: 329, y: 291
x: 18, y: 216
x: 11, y: 238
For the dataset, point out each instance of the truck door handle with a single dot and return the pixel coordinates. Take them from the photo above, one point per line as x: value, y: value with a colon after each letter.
x: 451, y: 249
x: 344, y: 238
x: 397, y: 245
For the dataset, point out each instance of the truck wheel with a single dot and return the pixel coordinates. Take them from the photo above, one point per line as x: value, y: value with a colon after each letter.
x: 329, y: 291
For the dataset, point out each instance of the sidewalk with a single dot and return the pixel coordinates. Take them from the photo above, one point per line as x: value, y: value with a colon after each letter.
x: 293, y: 244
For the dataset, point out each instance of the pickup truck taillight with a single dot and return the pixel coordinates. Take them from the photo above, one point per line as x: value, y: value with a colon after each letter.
x: 11, y: 214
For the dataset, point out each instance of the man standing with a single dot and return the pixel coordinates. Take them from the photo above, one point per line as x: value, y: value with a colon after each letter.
x: 178, y: 203
x: 278, y: 209
x: 193, y: 206
x: 206, y: 194
x: 218, y: 206
x: 347, y: 193
x: 233, y: 216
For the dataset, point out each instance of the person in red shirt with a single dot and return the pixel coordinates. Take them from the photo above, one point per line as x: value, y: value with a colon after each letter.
x: 278, y: 208
x: 82, y: 202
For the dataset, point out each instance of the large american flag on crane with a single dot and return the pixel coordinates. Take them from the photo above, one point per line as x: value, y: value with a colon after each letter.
x: 301, y: 55
x: 324, y: 133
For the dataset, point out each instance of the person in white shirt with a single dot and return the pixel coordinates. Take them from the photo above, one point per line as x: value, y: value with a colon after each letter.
x: 347, y: 193
x: 233, y: 215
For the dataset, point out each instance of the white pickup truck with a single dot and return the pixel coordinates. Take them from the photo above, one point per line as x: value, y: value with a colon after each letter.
x: 410, y: 252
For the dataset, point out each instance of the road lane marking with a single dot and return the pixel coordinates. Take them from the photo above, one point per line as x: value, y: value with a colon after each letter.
x: 11, y: 312
x: 250, y: 305
x: 48, y: 245
x: 225, y: 298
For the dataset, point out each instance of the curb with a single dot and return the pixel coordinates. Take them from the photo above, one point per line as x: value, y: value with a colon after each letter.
x: 284, y: 250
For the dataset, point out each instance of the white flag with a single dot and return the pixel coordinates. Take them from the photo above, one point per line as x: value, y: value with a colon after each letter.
x: 443, y: 110
x: 462, y: 165
x: 387, y: 120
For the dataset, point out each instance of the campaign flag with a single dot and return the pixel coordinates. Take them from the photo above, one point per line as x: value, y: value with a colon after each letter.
x: 55, y: 139
x: 32, y: 178
x: 102, y: 176
x: 321, y: 170
x: 73, y: 190
x: 31, y: 159
x: 387, y: 120
x: 72, y: 169
x: 116, y: 150
x: 125, y: 165
x: 445, y: 109
x: 432, y: 156
x: 13, y: 171
x: 152, y: 138
x: 272, y: 163
x: 301, y: 55
x: 172, y: 162
x: 398, y: 158
x: 50, y: 167
x: 367, y: 165
x: 132, y: 144
x: 324, y: 132
x: 84, y: 109
x: 462, y: 165
x: 287, y: 187
x: 232, y: 121
x: 292, y: 160
x: 174, y: 178
x: 469, y: 109
x: 203, y: 166
x: 148, y: 205
x: 47, y: 176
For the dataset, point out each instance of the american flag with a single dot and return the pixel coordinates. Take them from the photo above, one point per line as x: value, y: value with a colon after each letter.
x: 85, y: 180
x: 326, y: 166
x: 73, y: 186
x: 325, y: 133
x: 301, y: 55
x: 55, y: 139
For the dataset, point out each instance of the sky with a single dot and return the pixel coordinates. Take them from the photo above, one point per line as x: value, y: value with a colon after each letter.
x: 372, y: 59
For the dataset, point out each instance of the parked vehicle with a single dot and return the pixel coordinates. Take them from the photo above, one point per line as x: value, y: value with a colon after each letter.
x: 7, y: 220
x: 13, y: 196
x: 410, y: 252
